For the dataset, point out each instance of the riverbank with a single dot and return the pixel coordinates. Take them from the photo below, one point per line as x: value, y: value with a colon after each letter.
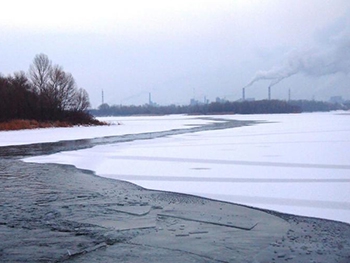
x: 292, y: 163
x: 15, y: 125
x: 56, y: 213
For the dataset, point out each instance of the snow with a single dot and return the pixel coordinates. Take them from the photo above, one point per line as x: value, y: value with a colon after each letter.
x: 118, y: 126
x: 293, y: 163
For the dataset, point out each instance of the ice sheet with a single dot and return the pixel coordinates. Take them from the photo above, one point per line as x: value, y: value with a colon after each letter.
x: 295, y: 163
x: 118, y: 126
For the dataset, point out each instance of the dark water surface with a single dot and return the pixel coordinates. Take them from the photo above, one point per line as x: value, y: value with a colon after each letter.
x: 58, y: 213
x: 21, y: 151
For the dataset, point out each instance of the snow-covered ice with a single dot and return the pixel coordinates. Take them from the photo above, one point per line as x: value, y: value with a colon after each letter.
x: 118, y: 126
x: 294, y: 163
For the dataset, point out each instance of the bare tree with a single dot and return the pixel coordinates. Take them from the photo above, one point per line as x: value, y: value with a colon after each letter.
x: 82, y: 102
x: 20, y: 80
x: 57, y: 89
x: 62, y: 89
x: 39, y: 72
x: 46, y: 93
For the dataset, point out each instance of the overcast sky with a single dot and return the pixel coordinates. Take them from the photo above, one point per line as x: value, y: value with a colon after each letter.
x: 184, y: 49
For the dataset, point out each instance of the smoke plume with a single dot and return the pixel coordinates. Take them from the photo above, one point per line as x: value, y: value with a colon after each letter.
x: 320, y: 61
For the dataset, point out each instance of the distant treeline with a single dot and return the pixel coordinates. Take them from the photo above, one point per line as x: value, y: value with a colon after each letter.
x: 46, y: 93
x: 237, y: 107
x: 313, y: 106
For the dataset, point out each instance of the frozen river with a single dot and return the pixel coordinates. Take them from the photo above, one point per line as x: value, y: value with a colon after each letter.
x: 293, y: 163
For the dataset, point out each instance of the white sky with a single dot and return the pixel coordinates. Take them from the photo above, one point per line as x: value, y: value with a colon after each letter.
x: 175, y: 49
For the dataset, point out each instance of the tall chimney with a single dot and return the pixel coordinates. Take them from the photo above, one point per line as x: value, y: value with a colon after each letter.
x: 289, y: 96
x: 243, y: 94
x: 149, y: 98
x: 269, y: 92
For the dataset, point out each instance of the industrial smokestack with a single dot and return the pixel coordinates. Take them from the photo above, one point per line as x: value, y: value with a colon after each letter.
x: 289, y: 95
x: 269, y: 92
x: 150, y: 98
x: 243, y: 94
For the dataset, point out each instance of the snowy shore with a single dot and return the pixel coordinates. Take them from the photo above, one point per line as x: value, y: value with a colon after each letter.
x: 293, y: 163
x: 53, y: 212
